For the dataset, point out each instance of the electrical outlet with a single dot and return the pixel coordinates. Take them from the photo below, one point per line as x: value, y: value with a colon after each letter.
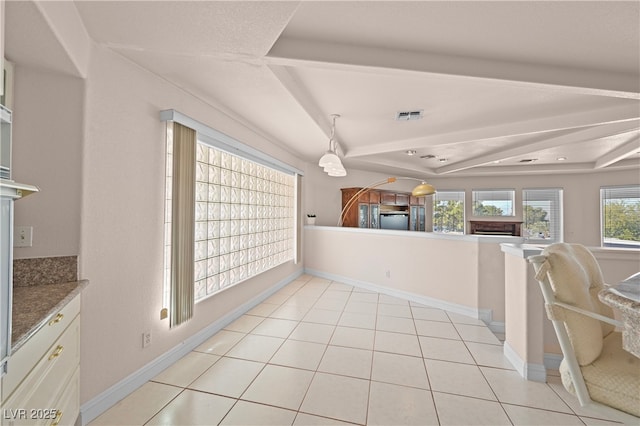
x: 146, y: 339
x: 388, y: 274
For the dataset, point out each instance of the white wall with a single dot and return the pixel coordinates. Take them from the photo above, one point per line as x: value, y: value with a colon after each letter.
x: 467, y: 272
x: 96, y: 150
x: 525, y: 318
x: 47, y: 147
x: 384, y: 258
x: 491, y: 280
x: 122, y: 221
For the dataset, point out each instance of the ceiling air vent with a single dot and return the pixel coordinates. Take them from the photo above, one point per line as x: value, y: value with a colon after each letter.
x: 409, y: 115
x: 528, y: 160
x: 428, y: 156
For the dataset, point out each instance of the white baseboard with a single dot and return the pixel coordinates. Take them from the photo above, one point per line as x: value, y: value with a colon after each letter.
x: 483, y: 314
x: 529, y: 371
x: 105, y: 400
x: 552, y: 361
x: 497, y: 327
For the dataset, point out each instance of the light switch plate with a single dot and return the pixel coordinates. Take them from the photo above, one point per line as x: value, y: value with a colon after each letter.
x: 23, y: 236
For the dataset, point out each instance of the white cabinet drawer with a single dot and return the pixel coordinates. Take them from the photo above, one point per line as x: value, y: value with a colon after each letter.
x: 68, y: 408
x: 64, y: 413
x: 34, y: 401
x: 23, y: 360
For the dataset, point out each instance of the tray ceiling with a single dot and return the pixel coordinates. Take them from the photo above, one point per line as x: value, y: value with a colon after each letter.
x: 498, y: 82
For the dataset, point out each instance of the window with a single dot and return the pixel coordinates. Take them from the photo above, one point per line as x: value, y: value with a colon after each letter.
x: 620, y: 207
x: 542, y: 214
x: 493, y: 202
x: 243, y: 219
x: 229, y: 214
x: 448, y: 212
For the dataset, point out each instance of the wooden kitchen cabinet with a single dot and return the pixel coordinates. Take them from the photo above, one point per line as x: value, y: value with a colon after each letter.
x: 363, y: 215
x: 402, y: 199
x: 394, y: 198
x: 365, y: 212
x: 351, y: 216
x: 417, y: 215
x: 374, y: 216
x: 388, y: 198
x: 417, y: 201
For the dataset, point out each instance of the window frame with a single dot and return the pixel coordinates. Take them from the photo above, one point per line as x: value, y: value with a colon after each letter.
x: 278, y: 171
x: 461, y: 197
x: 634, y: 192
x: 512, y: 192
x: 556, y: 220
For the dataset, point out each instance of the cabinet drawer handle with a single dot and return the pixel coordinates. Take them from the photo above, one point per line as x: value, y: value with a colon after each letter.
x: 56, y: 353
x: 56, y: 421
x: 57, y: 319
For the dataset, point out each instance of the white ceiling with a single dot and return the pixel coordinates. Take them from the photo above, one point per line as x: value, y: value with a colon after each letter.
x: 498, y: 82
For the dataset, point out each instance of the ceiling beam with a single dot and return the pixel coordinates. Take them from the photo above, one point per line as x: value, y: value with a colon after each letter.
x: 495, y: 170
x: 288, y: 51
x: 304, y: 99
x: 542, y: 142
x: 396, y: 165
x: 625, y: 150
x: 66, y: 24
x: 302, y: 96
x: 557, y: 121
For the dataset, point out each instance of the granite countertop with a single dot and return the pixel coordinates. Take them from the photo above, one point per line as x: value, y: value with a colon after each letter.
x: 625, y: 297
x: 35, y: 305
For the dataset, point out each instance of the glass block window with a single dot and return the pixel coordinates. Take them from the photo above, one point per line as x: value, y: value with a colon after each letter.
x: 244, y: 220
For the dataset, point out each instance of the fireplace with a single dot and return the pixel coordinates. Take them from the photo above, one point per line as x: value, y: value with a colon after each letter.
x: 485, y: 227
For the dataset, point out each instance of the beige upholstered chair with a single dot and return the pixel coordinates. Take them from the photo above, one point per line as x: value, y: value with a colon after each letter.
x: 595, y: 368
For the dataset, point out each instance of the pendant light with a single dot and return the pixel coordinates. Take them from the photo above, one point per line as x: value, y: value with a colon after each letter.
x: 330, y: 161
x: 336, y: 171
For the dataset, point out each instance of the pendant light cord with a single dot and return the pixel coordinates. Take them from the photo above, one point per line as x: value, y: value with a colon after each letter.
x: 333, y: 134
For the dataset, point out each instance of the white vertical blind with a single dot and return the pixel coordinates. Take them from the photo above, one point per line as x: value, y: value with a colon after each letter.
x: 182, y: 224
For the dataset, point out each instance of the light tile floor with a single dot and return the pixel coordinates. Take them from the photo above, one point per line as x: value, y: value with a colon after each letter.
x: 324, y: 353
